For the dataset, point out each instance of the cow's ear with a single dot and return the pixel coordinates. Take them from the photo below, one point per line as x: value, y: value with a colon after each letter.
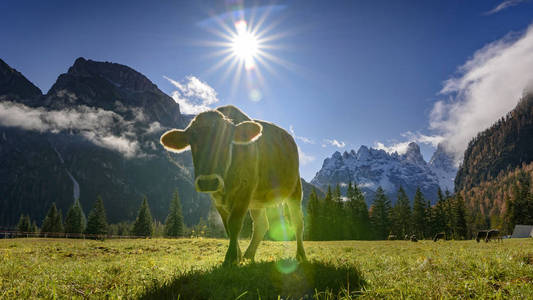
x: 247, y: 132
x: 175, y: 140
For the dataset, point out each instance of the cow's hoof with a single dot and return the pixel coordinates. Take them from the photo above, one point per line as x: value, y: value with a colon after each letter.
x: 249, y: 255
x: 300, y: 257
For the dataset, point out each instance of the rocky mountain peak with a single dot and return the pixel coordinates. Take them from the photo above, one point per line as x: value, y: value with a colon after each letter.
x: 117, y: 74
x: 413, y: 154
x: 14, y: 86
x: 113, y: 87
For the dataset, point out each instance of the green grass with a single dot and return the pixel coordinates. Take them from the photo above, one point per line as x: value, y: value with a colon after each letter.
x: 162, y: 268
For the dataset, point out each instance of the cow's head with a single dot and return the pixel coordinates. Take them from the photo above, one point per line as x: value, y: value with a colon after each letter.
x: 210, y: 137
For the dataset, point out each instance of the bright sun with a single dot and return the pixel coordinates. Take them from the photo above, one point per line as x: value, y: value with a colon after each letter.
x: 245, y: 45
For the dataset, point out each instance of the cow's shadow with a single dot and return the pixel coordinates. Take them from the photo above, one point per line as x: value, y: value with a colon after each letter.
x: 263, y: 280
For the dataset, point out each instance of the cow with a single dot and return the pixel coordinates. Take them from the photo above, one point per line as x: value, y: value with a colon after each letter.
x: 391, y: 237
x: 439, y: 236
x: 493, y: 234
x: 413, y: 238
x: 481, y: 235
x: 244, y: 165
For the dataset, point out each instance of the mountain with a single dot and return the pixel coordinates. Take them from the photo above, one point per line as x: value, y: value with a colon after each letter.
x: 13, y: 85
x: 504, y: 146
x: 96, y: 132
x: 495, y: 159
x: 443, y: 166
x: 371, y: 168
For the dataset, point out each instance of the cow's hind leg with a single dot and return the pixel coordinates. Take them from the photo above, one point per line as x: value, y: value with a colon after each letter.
x: 260, y: 222
x: 297, y: 220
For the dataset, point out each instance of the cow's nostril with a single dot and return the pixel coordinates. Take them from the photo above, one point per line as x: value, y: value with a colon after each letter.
x: 208, y: 184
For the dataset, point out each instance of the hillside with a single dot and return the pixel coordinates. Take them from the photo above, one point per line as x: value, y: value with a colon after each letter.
x: 504, y: 146
x: 96, y: 132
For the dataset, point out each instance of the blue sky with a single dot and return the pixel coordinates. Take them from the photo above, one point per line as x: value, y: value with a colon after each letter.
x: 355, y: 72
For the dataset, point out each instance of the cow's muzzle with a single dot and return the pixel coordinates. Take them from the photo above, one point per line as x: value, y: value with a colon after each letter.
x: 209, y: 183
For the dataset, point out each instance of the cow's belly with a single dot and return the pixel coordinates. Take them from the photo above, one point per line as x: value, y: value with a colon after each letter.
x: 269, y: 197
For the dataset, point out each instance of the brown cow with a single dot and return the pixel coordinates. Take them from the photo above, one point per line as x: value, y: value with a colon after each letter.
x: 481, y: 235
x: 243, y: 164
x: 493, y: 234
x: 439, y: 236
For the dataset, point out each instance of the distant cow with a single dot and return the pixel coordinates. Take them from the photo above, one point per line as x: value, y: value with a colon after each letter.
x: 439, y: 236
x: 392, y: 237
x: 413, y: 238
x: 493, y: 234
x: 243, y: 164
x: 481, y: 235
x: 406, y: 237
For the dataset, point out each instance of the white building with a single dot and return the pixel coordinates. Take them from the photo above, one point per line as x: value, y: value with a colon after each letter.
x: 522, y: 231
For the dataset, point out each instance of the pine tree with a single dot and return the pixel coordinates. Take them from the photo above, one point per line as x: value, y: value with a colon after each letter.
x: 402, y: 215
x: 439, y: 213
x: 97, y: 221
x: 174, y: 223
x: 419, y: 214
x: 34, y: 227
x: 327, y: 217
x: 53, y: 222
x: 75, y: 219
x: 24, y: 224
x: 339, y: 220
x: 460, y: 229
x: 381, y: 212
x: 430, y: 231
x: 143, y: 224
x: 313, y: 209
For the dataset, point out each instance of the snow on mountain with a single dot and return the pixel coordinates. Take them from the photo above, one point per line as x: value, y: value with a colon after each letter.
x: 443, y: 165
x: 371, y: 168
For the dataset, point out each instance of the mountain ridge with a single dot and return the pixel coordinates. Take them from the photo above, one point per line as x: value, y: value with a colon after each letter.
x: 370, y: 168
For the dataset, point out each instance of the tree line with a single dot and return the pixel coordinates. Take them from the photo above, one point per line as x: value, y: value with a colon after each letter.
x: 338, y: 217
x: 96, y: 223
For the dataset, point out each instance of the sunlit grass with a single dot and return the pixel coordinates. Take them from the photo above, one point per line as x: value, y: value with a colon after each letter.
x: 48, y: 268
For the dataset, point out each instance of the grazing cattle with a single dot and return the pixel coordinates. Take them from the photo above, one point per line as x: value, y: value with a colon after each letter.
x: 493, y: 234
x: 406, y: 237
x: 481, y: 235
x: 243, y: 164
x: 439, y: 236
x: 392, y: 237
x: 413, y: 238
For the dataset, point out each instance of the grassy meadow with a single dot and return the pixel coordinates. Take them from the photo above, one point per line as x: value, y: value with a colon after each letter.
x: 190, y: 269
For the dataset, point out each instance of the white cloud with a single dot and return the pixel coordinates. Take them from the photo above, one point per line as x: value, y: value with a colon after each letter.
x: 505, y: 4
x: 487, y: 87
x: 333, y: 142
x: 94, y: 124
x: 301, y: 138
x: 193, y: 95
x: 305, y: 158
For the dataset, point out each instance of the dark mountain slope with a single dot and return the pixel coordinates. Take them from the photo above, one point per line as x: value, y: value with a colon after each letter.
x: 504, y: 146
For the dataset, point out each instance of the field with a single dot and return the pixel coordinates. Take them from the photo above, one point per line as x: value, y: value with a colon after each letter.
x: 163, y: 268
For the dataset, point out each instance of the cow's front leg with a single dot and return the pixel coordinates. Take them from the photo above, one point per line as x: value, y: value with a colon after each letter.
x: 234, y: 225
x: 260, y: 220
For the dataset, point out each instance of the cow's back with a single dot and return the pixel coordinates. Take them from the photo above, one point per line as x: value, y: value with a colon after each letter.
x: 278, y: 173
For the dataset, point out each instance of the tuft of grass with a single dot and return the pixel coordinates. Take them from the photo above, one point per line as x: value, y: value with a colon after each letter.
x: 285, y: 279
